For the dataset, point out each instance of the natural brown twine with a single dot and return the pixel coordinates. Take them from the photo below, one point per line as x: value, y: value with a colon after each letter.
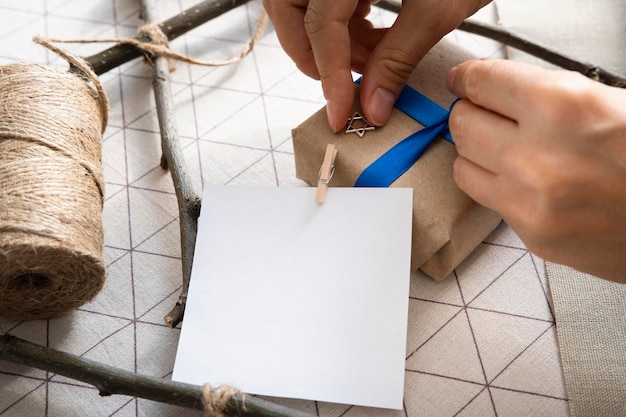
x: 216, y: 400
x: 51, y: 182
x: 51, y: 188
x: 158, y: 44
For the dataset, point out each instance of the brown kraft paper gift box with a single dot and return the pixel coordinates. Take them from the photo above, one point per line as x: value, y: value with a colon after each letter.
x: 447, y: 224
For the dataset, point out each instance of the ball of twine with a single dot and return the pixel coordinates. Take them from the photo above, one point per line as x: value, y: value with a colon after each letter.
x: 51, y: 190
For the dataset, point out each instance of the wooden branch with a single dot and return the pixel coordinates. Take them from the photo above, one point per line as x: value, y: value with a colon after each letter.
x: 107, y: 379
x: 543, y: 52
x: 110, y: 381
x: 533, y: 48
x: 188, y: 201
x: 172, y: 28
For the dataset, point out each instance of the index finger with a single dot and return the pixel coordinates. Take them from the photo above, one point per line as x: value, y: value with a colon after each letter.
x: 288, y: 18
x: 502, y: 86
x: 326, y: 23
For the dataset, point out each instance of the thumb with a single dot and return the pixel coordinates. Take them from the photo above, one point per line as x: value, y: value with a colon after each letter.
x: 416, y: 30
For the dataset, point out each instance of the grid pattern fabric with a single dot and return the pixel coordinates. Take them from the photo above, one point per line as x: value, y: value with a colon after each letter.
x: 481, y: 342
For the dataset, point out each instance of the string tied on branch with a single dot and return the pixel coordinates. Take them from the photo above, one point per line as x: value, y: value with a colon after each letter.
x: 151, y: 39
x: 215, y: 400
x: 153, y: 32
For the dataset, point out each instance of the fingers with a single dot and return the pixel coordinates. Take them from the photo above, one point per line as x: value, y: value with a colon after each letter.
x: 326, y: 24
x: 482, y: 138
x: 480, y: 135
x: 391, y: 63
x: 287, y: 18
x: 418, y: 27
x: 493, y: 191
x: 477, y: 182
x: 315, y: 35
x: 502, y: 86
x: 364, y: 37
x: 328, y: 38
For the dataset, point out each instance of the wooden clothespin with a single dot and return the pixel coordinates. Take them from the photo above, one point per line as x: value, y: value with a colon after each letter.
x: 326, y: 172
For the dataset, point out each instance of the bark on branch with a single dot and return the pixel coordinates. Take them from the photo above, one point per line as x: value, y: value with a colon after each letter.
x: 172, y: 158
x: 536, y: 49
x: 172, y: 28
x: 109, y: 380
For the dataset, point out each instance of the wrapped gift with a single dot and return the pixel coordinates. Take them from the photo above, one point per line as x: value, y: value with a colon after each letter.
x: 447, y: 224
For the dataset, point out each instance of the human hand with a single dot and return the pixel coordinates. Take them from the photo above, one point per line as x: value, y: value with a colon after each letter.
x: 547, y: 150
x: 329, y: 38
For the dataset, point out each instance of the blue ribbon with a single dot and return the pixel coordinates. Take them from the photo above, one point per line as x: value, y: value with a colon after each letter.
x: 397, y: 160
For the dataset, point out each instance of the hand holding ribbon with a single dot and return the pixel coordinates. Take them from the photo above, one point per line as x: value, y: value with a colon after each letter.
x: 397, y: 160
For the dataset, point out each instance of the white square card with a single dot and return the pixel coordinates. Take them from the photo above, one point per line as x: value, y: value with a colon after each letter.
x: 291, y: 298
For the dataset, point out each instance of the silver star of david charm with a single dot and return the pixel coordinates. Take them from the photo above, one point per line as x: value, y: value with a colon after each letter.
x: 361, y: 125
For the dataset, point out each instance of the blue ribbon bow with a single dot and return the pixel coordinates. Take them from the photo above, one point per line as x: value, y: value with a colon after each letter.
x: 397, y: 160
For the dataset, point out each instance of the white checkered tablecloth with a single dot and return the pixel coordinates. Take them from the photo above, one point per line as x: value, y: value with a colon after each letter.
x: 480, y: 343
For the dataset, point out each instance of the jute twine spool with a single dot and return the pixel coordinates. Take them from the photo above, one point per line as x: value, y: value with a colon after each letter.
x: 51, y: 182
x: 51, y: 189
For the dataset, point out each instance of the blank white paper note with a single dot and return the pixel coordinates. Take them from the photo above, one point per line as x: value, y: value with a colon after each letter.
x: 291, y: 298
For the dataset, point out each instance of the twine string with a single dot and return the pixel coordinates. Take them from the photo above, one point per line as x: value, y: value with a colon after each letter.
x: 51, y: 125
x: 158, y: 44
x: 80, y: 63
x: 51, y: 232
x: 215, y: 400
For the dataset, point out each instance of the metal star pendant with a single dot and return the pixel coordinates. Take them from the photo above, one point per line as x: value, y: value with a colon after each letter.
x: 361, y: 125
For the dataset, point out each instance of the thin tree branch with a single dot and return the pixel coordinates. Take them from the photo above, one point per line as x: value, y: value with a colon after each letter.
x: 110, y: 381
x: 536, y: 49
x: 543, y: 52
x: 172, y: 28
x: 188, y: 201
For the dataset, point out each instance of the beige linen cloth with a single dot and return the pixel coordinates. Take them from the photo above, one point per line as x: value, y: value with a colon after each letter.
x: 590, y: 313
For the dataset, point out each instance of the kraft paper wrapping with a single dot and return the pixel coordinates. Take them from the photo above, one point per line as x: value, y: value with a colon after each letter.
x: 447, y: 224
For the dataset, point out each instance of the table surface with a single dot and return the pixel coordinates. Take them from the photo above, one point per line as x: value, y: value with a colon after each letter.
x: 481, y: 342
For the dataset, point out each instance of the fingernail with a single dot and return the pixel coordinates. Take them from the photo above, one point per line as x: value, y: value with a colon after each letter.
x: 331, y: 117
x: 450, y: 80
x: 381, y: 103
